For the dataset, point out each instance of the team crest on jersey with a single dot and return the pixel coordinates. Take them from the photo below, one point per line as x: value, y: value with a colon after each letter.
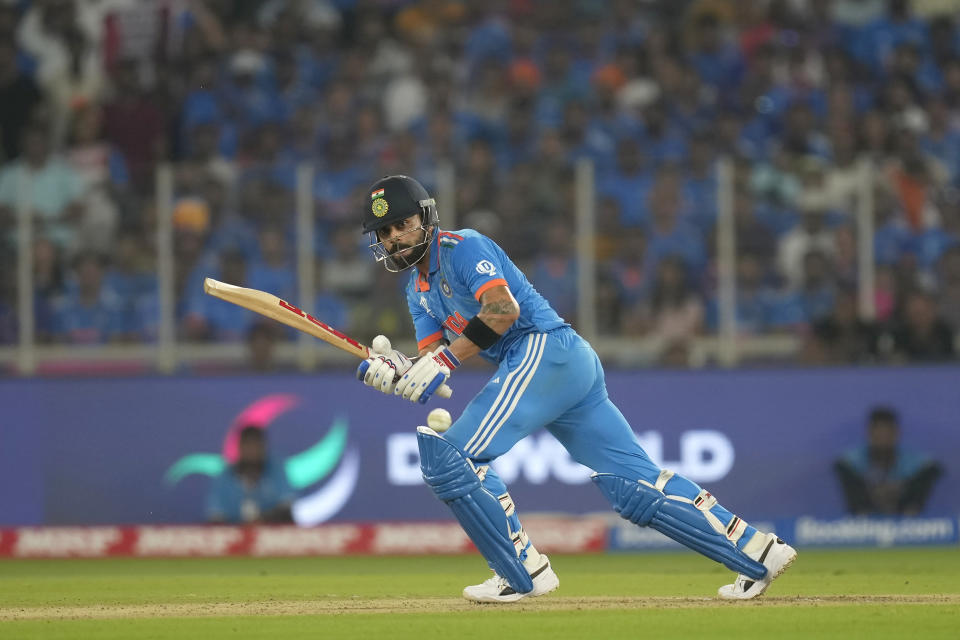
x: 380, y: 206
x: 445, y: 288
x: 486, y: 267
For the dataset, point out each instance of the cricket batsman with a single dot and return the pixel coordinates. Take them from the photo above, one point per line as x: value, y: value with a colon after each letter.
x: 467, y: 298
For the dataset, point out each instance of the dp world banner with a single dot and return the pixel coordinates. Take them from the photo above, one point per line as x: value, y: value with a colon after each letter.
x: 143, y: 450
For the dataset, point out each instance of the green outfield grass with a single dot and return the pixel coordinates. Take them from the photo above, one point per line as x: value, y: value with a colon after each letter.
x: 912, y: 593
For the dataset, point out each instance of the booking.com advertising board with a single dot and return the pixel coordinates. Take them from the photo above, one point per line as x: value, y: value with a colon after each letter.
x: 143, y: 450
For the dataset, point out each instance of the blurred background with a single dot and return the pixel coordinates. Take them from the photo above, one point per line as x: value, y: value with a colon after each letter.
x: 695, y: 185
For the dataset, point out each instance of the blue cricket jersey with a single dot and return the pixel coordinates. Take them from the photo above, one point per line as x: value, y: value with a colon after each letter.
x: 464, y: 264
x: 231, y: 500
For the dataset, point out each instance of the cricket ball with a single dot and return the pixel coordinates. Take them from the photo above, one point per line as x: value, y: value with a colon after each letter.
x: 439, y: 420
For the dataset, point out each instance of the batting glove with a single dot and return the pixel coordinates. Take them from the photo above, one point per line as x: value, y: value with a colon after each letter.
x: 426, y: 375
x: 383, y: 370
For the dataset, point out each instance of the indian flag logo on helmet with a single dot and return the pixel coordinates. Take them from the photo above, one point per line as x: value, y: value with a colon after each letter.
x: 380, y: 206
x: 376, y: 194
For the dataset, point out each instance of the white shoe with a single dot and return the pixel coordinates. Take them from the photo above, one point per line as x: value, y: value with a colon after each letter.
x: 777, y: 556
x: 497, y: 589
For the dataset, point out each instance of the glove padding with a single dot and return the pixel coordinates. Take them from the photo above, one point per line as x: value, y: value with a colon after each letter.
x: 383, y: 370
x: 426, y: 375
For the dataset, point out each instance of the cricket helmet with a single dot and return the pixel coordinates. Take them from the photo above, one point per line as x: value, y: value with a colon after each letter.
x: 392, y: 199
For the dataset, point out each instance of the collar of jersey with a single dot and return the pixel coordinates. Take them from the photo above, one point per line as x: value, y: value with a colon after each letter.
x: 423, y: 282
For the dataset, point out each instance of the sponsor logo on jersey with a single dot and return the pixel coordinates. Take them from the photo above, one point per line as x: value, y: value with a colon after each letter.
x: 486, y: 267
x: 456, y: 323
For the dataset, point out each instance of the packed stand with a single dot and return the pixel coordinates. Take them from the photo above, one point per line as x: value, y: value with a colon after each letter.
x: 94, y: 94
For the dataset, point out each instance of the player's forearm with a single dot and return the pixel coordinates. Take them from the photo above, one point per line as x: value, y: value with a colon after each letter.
x: 461, y: 347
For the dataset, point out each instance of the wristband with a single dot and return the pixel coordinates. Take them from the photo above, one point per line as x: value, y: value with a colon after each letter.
x: 480, y: 334
x: 446, y: 357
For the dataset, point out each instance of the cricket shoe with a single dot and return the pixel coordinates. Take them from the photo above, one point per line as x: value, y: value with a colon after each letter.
x: 497, y: 589
x: 777, y: 556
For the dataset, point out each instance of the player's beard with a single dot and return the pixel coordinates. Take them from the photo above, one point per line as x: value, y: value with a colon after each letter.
x: 418, y: 251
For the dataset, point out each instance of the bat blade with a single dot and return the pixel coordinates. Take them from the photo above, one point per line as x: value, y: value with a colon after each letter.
x: 269, y: 305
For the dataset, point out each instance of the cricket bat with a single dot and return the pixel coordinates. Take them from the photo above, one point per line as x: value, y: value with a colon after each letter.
x: 269, y: 305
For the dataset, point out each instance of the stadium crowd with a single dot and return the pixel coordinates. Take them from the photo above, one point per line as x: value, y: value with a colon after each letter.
x: 95, y: 93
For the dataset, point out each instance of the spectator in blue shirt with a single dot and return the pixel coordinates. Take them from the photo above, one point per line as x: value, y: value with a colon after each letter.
x: 294, y: 90
x: 718, y: 63
x: 819, y: 289
x: 554, y: 273
x: 700, y: 183
x: 583, y: 139
x: 254, y: 489
x: 942, y: 137
x: 129, y: 274
x: 335, y: 185
x: 89, y: 313
x: 883, y: 478
x: 628, y: 267
x: 753, y: 298
x: 248, y: 97
x: 877, y: 40
x: 273, y: 270
x: 669, y: 234
x: 207, y: 317
x: 131, y: 278
x: 516, y: 140
x: 629, y: 183
x: 661, y: 140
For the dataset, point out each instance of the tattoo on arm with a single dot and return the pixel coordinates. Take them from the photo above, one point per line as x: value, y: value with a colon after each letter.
x: 499, y: 308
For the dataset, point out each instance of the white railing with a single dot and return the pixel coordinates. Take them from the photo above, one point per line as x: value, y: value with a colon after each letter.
x: 168, y: 355
x: 729, y: 353
x: 586, y: 249
x: 26, y: 356
x: 307, y: 353
x: 167, y: 327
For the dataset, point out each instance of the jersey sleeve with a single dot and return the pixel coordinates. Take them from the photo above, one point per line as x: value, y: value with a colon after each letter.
x: 478, y: 263
x: 428, y: 330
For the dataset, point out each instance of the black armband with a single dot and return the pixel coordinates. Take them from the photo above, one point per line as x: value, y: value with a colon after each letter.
x: 480, y: 334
